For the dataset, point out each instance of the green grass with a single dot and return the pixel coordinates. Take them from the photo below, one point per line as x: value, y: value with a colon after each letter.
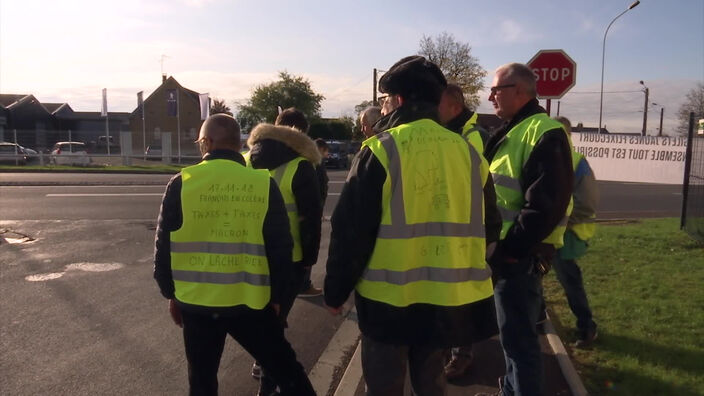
x: 645, y: 283
x: 156, y: 168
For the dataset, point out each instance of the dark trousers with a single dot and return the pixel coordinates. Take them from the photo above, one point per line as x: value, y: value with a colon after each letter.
x: 306, y: 282
x: 570, y: 276
x: 258, y: 331
x: 518, y: 297
x: 384, y: 368
x: 268, y: 380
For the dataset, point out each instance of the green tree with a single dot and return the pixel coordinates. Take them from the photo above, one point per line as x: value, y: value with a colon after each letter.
x: 219, y: 106
x: 694, y: 102
x: 457, y: 63
x: 331, y: 129
x: 287, y: 91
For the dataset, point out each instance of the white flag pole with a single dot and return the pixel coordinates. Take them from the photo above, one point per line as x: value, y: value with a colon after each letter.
x: 178, y: 122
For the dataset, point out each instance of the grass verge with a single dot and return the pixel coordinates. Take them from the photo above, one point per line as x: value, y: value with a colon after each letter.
x: 644, y: 282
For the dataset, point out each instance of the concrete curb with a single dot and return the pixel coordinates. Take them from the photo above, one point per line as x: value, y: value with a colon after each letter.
x: 322, y: 375
x: 574, y: 381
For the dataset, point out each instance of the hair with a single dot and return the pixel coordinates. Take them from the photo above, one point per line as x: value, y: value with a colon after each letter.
x: 230, y: 128
x: 454, y: 92
x: 371, y: 115
x: 293, y: 118
x: 520, y: 74
x: 564, y: 121
x: 321, y: 143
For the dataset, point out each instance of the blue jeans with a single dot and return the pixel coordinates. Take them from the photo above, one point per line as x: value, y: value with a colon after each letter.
x: 570, y: 276
x: 518, y: 297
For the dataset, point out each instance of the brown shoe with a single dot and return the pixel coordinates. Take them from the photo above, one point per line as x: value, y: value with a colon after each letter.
x: 312, y: 291
x: 457, y: 367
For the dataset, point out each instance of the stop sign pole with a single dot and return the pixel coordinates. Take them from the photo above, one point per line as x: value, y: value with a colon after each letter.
x: 555, y: 73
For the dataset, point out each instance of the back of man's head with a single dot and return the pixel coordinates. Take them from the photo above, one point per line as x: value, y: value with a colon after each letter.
x: 221, y: 131
x: 293, y: 118
x: 414, y: 78
x: 451, y: 103
x: 370, y: 115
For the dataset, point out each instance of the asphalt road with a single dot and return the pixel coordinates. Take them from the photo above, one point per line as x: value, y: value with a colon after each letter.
x: 82, y: 314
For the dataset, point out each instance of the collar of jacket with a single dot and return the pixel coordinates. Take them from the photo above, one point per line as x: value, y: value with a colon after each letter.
x: 456, y: 124
x: 409, y: 112
x: 292, y: 138
x: 498, y: 135
x: 224, y: 154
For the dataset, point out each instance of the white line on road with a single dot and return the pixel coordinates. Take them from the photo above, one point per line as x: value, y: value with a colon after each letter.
x: 107, y: 195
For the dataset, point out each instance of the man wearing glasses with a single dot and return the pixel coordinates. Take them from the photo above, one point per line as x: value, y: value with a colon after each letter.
x: 530, y: 161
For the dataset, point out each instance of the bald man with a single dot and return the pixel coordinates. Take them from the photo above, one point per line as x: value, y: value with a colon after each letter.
x: 222, y: 258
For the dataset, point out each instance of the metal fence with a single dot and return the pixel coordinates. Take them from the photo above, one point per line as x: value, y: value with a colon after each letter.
x: 692, y: 220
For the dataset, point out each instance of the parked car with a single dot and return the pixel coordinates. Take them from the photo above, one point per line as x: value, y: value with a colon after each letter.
x: 153, y: 152
x: 337, y: 155
x: 70, y: 153
x: 11, y: 153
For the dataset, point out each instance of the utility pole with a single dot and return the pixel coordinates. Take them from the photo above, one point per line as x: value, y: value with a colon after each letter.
x: 374, y: 101
x: 645, y: 107
x: 662, y: 112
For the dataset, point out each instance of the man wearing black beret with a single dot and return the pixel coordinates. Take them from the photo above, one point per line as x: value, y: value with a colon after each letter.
x: 409, y: 236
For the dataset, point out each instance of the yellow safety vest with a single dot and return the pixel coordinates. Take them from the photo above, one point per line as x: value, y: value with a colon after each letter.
x: 471, y: 133
x: 283, y: 175
x: 218, y: 258
x: 507, y: 166
x: 431, y: 245
x: 584, y: 231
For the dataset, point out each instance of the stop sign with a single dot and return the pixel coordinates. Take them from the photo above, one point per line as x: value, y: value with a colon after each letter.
x: 555, y: 72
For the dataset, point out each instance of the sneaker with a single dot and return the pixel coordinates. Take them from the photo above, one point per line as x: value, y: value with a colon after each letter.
x: 312, y: 291
x: 457, y: 367
x: 256, y: 371
x: 586, y: 338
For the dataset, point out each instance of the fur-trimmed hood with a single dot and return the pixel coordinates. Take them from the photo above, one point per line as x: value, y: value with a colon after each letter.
x: 292, y: 138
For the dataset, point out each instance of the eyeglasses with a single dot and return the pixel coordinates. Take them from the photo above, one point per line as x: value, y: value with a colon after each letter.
x: 499, y: 87
x: 382, y: 99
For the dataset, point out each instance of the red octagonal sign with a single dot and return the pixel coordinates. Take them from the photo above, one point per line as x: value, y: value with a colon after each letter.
x: 555, y: 72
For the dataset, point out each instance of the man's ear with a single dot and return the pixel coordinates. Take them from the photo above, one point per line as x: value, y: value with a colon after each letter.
x: 399, y: 99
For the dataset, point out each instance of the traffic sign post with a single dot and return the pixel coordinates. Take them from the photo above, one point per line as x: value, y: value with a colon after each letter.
x: 555, y: 73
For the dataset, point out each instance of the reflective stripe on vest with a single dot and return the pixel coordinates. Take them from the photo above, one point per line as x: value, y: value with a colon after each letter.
x: 218, y: 258
x: 470, y: 133
x: 430, y: 248
x: 283, y: 175
x: 586, y: 229
x: 506, y: 170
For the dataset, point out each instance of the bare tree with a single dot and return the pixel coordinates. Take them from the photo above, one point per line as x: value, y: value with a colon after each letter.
x: 457, y: 63
x: 219, y: 106
x: 694, y: 102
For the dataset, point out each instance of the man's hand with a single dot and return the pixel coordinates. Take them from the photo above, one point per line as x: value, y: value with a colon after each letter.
x: 175, y: 312
x: 334, y: 310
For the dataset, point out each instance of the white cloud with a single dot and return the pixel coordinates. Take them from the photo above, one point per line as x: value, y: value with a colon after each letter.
x: 511, y: 31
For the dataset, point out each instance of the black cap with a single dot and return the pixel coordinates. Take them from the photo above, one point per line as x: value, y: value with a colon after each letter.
x: 414, y: 78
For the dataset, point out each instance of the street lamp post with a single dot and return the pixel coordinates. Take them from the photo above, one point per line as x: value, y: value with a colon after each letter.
x: 603, y: 54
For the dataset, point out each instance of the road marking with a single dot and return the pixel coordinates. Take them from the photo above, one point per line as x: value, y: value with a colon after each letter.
x: 106, y: 195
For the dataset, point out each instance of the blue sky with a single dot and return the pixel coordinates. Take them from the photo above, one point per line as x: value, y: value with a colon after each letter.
x: 68, y: 51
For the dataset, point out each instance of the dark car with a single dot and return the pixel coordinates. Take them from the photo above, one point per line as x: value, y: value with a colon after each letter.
x: 153, y: 152
x: 11, y: 153
x: 337, y: 155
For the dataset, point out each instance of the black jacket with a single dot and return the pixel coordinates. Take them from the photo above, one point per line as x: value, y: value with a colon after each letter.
x: 456, y: 124
x: 547, y: 180
x: 274, y: 145
x: 355, y: 223
x: 277, y: 239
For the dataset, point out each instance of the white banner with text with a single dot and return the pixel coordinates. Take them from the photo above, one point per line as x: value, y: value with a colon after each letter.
x: 633, y: 158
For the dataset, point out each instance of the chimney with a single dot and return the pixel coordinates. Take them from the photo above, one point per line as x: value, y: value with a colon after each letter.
x: 163, y: 78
